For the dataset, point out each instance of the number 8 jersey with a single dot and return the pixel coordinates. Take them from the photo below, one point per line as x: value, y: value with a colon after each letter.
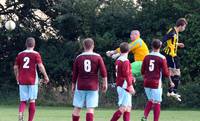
x: 85, y: 71
x: 27, y: 61
x: 154, y: 66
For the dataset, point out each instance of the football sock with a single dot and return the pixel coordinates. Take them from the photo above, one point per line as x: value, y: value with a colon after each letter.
x: 156, y: 111
x: 75, y: 118
x: 31, y: 111
x: 171, y: 88
x: 116, y: 115
x: 89, y: 116
x: 126, y: 116
x: 176, y: 81
x: 148, y: 108
x: 22, y: 106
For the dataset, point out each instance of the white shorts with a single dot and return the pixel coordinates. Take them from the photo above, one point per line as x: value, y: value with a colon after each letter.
x: 86, y: 98
x: 124, y: 97
x: 28, y: 92
x: 154, y: 94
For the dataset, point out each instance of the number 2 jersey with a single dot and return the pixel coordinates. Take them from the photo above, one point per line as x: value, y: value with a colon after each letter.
x: 154, y: 66
x: 27, y: 61
x: 85, y: 71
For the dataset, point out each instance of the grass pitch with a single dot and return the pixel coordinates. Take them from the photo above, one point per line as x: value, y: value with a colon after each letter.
x: 9, y: 113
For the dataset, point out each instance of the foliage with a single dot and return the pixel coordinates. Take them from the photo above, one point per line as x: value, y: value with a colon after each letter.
x: 68, y: 22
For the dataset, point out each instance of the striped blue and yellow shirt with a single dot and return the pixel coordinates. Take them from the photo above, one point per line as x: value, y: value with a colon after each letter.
x: 170, y: 41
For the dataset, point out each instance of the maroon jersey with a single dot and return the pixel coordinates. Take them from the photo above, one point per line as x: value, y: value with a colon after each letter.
x: 153, y: 67
x: 124, y: 76
x: 27, y: 61
x: 85, y: 71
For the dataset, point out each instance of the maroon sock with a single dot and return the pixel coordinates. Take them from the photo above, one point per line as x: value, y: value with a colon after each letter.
x: 156, y: 111
x: 75, y: 118
x: 126, y: 116
x: 148, y: 108
x: 31, y: 111
x: 22, y: 106
x: 116, y: 115
x: 89, y: 116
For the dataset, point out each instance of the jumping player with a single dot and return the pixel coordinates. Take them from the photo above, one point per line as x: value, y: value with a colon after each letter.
x: 171, y: 42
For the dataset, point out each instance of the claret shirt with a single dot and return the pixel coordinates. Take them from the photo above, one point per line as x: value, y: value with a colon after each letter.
x: 154, y: 66
x: 27, y: 61
x: 85, y: 71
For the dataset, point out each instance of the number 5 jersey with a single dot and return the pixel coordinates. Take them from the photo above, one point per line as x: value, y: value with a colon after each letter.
x: 154, y: 66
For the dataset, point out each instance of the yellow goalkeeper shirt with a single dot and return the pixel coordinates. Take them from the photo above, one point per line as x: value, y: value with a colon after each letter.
x: 138, y: 48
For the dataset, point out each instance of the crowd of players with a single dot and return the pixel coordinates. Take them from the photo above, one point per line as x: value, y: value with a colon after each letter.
x: 89, y: 65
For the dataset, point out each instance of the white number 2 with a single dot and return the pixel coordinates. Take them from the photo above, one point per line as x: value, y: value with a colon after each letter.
x: 26, y: 62
x: 87, y: 65
x: 151, y: 65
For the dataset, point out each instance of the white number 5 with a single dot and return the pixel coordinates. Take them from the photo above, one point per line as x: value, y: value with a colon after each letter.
x: 151, y: 65
x: 26, y: 62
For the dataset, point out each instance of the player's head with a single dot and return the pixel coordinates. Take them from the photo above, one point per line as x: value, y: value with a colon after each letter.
x: 156, y: 44
x: 134, y: 35
x: 181, y: 23
x: 124, y: 47
x: 30, y: 42
x: 88, y: 44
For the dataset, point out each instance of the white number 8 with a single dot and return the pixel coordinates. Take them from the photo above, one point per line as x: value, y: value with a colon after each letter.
x: 151, y: 65
x: 87, y: 65
x: 26, y: 62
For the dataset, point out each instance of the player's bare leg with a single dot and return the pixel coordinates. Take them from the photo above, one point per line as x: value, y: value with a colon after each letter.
x: 31, y: 110
x: 175, y: 77
x: 90, y: 114
x: 76, y: 114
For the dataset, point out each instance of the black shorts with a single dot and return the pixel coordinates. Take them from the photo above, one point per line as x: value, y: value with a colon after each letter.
x: 172, y: 62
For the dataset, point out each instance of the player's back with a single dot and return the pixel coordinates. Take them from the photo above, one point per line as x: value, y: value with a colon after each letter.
x: 123, y: 71
x: 154, y: 65
x: 86, y: 68
x: 27, y: 61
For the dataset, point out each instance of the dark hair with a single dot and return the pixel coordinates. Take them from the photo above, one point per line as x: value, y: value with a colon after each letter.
x: 124, y: 47
x: 181, y: 22
x: 156, y: 44
x: 30, y: 42
x: 88, y: 43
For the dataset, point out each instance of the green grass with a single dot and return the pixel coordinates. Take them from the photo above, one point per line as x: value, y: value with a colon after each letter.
x: 9, y: 113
